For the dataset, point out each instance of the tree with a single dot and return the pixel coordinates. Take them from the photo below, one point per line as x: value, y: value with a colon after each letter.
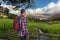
x: 14, y: 2
x: 6, y: 11
x: 11, y: 16
x: 21, y: 1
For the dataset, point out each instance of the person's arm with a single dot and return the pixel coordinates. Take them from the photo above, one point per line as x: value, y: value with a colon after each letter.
x: 23, y: 24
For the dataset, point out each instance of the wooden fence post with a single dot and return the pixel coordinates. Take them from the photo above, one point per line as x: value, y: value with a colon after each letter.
x: 38, y: 36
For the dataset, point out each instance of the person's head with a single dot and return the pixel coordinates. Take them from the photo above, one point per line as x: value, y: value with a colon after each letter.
x: 23, y: 12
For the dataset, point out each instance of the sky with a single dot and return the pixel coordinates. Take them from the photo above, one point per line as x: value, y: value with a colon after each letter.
x: 46, y: 7
x: 42, y: 3
x: 42, y: 7
x: 39, y: 3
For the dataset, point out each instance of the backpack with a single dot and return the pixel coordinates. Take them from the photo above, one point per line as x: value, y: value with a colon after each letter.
x: 16, y: 23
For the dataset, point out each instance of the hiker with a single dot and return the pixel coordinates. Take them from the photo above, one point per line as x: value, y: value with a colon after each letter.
x: 23, y: 32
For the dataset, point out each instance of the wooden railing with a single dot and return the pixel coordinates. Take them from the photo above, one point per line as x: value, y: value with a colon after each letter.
x: 32, y: 36
x: 35, y: 35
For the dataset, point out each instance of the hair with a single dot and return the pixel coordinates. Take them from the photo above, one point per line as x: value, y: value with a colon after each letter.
x: 22, y: 11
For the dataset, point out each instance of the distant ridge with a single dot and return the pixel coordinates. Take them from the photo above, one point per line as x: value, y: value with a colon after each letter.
x: 56, y: 16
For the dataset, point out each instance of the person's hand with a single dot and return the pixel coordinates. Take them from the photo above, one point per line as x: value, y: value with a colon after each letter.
x: 28, y: 37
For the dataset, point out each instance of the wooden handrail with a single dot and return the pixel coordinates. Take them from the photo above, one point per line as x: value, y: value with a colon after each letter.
x: 50, y: 34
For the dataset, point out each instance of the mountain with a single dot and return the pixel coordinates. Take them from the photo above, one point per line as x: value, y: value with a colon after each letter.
x: 40, y: 16
x: 55, y: 17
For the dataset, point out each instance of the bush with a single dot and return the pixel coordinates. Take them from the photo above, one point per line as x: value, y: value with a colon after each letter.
x: 6, y: 11
x: 11, y: 16
x: 1, y: 17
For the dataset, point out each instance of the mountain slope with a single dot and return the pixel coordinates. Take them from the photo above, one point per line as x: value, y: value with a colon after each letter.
x: 55, y: 17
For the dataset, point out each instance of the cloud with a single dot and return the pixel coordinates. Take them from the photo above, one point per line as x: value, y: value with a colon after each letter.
x: 10, y: 7
x: 39, y: 11
x: 30, y: 11
x: 51, y: 8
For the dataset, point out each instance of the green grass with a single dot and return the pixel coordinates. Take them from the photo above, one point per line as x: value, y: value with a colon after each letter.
x: 31, y: 24
x: 8, y: 23
x: 51, y: 28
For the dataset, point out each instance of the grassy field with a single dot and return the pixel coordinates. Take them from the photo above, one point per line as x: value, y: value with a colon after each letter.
x: 51, y: 28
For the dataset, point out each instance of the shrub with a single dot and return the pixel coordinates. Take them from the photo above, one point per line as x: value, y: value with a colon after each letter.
x: 1, y: 17
x: 11, y: 16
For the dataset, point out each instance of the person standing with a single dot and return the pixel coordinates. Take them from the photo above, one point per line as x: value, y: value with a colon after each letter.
x: 23, y: 32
